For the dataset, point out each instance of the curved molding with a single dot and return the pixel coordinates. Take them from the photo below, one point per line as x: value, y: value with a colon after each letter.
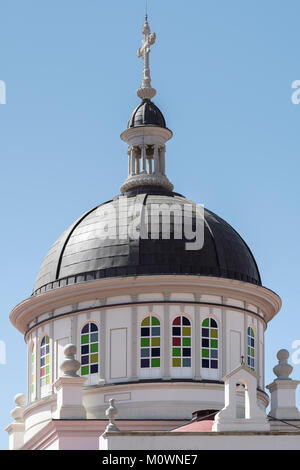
x: 146, y: 180
x: 30, y: 309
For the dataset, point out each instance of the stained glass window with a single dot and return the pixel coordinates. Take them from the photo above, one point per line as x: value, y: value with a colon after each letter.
x: 45, y: 365
x: 33, y: 372
x: 89, y: 349
x: 251, y: 348
x: 181, y: 342
x: 150, y: 342
x: 210, y: 344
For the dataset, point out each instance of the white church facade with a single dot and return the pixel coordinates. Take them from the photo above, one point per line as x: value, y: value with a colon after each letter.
x: 134, y: 341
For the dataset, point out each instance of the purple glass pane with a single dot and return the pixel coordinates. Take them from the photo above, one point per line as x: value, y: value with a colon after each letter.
x: 145, y: 363
x: 85, y: 329
x: 84, y: 359
x: 205, y: 332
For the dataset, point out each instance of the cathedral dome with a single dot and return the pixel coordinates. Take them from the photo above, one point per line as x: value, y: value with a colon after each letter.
x: 83, y: 252
x: 146, y: 114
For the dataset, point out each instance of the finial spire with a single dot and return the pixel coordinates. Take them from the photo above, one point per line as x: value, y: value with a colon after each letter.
x: 146, y: 91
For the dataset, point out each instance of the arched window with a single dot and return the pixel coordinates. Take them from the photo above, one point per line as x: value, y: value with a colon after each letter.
x: 209, y: 344
x: 89, y: 349
x: 45, y: 366
x: 150, y: 342
x: 251, y: 349
x: 32, y: 372
x: 181, y: 342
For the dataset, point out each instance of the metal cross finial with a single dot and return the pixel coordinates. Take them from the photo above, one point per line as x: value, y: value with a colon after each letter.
x: 146, y: 91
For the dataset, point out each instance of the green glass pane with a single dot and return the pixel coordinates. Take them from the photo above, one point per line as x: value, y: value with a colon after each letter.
x: 145, y: 342
x: 85, y: 339
x: 214, y: 343
x: 47, y: 370
x: 186, y: 341
x: 155, y: 362
x: 176, y: 352
x: 205, y: 352
x: 32, y: 388
x: 146, y: 321
x: 84, y: 370
x: 213, y: 333
x: 249, y: 351
x: 155, y: 321
x: 252, y: 333
x: 94, y: 348
x: 205, y: 322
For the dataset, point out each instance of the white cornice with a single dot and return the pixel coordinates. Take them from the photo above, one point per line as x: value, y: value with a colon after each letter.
x: 24, y: 313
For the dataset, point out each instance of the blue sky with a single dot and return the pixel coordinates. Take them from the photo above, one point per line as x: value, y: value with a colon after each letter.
x: 223, y: 71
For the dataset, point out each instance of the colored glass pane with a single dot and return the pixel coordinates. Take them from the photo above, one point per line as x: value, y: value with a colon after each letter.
x: 94, y: 348
x: 155, y: 362
x: 186, y: 331
x: 155, y: 341
x: 145, y: 342
x: 84, y: 370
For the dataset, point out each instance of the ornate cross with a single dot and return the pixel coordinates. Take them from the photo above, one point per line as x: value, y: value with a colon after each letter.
x: 144, y: 51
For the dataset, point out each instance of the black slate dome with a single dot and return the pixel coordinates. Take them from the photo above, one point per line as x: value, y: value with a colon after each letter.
x: 146, y: 114
x: 82, y: 253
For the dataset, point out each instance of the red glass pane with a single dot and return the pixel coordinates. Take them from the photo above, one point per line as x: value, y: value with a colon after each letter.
x: 42, y: 371
x: 176, y: 321
x: 176, y: 341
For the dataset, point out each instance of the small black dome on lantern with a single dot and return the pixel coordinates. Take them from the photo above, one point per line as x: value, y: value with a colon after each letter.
x: 146, y: 114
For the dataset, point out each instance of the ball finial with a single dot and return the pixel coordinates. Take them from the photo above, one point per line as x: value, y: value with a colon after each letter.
x: 70, y: 365
x: 283, y: 369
